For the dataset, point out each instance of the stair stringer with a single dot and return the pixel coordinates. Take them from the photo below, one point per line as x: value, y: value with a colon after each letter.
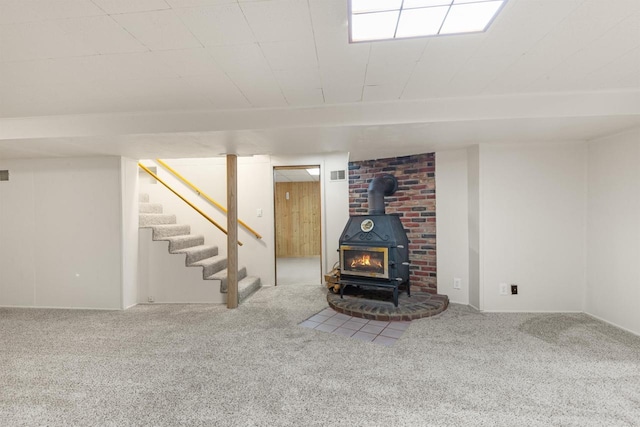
x: 169, y: 281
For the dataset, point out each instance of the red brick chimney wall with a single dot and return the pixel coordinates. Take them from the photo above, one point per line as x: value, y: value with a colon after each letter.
x: 415, y: 202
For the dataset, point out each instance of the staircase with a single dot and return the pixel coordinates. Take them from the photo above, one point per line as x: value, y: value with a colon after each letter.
x: 197, y: 254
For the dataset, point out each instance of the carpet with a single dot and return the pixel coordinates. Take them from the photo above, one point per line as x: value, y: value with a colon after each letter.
x: 204, y: 365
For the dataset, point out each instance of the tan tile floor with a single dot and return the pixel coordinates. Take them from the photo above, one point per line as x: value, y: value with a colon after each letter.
x: 329, y: 320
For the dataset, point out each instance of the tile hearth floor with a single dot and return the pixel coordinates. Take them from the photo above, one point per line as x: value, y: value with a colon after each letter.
x: 329, y: 320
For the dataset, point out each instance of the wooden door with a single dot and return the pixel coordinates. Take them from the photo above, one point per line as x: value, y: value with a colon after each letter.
x: 297, y: 219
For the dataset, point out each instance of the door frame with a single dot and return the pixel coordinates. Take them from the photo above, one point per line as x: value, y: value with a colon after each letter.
x: 275, y: 213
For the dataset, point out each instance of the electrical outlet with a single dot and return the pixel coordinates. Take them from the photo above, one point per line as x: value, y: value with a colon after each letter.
x: 259, y: 213
x: 504, y: 289
x: 457, y: 283
x: 150, y: 299
x: 514, y: 289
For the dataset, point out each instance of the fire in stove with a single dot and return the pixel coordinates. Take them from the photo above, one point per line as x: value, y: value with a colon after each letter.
x: 365, y: 261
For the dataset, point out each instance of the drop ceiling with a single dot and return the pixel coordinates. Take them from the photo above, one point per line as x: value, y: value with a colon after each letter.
x: 185, y: 78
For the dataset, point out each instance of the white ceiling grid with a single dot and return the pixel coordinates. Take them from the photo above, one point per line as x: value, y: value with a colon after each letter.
x: 78, y: 57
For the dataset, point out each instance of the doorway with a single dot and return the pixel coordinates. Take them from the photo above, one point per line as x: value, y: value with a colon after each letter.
x: 297, y: 225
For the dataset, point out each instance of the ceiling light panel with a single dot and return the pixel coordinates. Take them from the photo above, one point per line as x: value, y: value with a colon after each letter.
x: 371, y: 20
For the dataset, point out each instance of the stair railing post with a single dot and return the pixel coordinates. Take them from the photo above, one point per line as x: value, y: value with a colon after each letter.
x: 232, y: 230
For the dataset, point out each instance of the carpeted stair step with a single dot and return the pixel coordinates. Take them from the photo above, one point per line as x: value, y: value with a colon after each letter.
x: 150, y: 208
x: 222, y: 276
x: 211, y: 266
x: 150, y: 219
x: 248, y: 286
x: 161, y: 232
x: 143, y: 198
x: 182, y: 242
x: 197, y: 253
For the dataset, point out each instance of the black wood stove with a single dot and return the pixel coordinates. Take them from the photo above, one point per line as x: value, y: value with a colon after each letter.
x: 374, y: 248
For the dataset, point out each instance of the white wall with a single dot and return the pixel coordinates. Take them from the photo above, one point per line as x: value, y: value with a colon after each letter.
x: 60, y: 233
x: 533, y: 226
x: 129, y: 197
x: 473, y: 225
x: 255, y: 191
x: 452, y: 224
x: 613, y: 230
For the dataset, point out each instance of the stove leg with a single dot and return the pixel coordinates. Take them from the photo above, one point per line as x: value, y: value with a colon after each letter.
x: 408, y: 289
x: 395, y: 296
x: 342, y: 291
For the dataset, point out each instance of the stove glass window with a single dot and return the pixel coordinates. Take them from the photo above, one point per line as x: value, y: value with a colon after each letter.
x: 365, y: 261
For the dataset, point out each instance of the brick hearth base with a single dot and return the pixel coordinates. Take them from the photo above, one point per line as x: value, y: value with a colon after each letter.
x: 377, y: 305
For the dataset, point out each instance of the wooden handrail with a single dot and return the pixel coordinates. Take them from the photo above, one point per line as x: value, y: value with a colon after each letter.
x: 194, y: 207
x: 204, y: 195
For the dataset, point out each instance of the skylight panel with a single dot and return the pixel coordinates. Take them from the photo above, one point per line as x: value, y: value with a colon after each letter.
x: 373, y: 26
x: 411, y: 4
x: 425, y: 21
x: 365, y: 6
x: 371, y: 20
x: 470, y: 17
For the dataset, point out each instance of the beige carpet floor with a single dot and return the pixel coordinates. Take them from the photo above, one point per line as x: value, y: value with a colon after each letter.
x: 192, y: 365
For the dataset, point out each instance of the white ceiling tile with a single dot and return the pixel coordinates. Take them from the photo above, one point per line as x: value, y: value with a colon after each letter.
x: 161, y: 94
x: 393, y: 62
x: 298, y: 78
x: 22, y: 42
x: 574, y: 71
x: 386, y: 92
x: 294, y: 175
x: 340, y: 92
x: 102, y: 34
x: 303, y: 97
x: 337, y: 50
x: 290, y: 54
x: 441, y: 60
x: 341, y: 62
x: 128, y: 66
x: 329, y: 19
x: 279, y: 20
x: 196, y: 3
x: 158, y: 30
x: 188, y: 62
x: 476, y: 74
x: 249, y: 70
x: 219, y: 90
x: 217, y: 25
x: 522, y: 24
x: 17, y: 11
x: 244, y: 60
x: 300, y: 86
x: 62, y: 99
x: 129, y: 6
x: 578, y: 31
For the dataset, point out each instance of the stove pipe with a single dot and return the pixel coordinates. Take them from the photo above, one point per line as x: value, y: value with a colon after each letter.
x: 380, y: 187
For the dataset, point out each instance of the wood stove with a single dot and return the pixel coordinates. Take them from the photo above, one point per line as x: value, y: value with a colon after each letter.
x: 374, y: 248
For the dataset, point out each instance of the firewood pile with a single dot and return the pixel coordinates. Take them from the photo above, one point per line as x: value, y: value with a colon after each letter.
x: 332, y: 280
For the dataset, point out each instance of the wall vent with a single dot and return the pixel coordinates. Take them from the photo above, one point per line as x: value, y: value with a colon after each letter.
x: 338, y: 175
x: 4, y: 175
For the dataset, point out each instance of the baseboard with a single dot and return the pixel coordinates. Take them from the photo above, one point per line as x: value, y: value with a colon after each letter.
x: 132, y: 305
x: 59, y: 308
x: 181, y: 302
x: 534, y: 311
x: 613, y: 324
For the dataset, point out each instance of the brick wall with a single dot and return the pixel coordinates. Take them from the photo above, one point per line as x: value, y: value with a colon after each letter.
x: 415, y: 202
